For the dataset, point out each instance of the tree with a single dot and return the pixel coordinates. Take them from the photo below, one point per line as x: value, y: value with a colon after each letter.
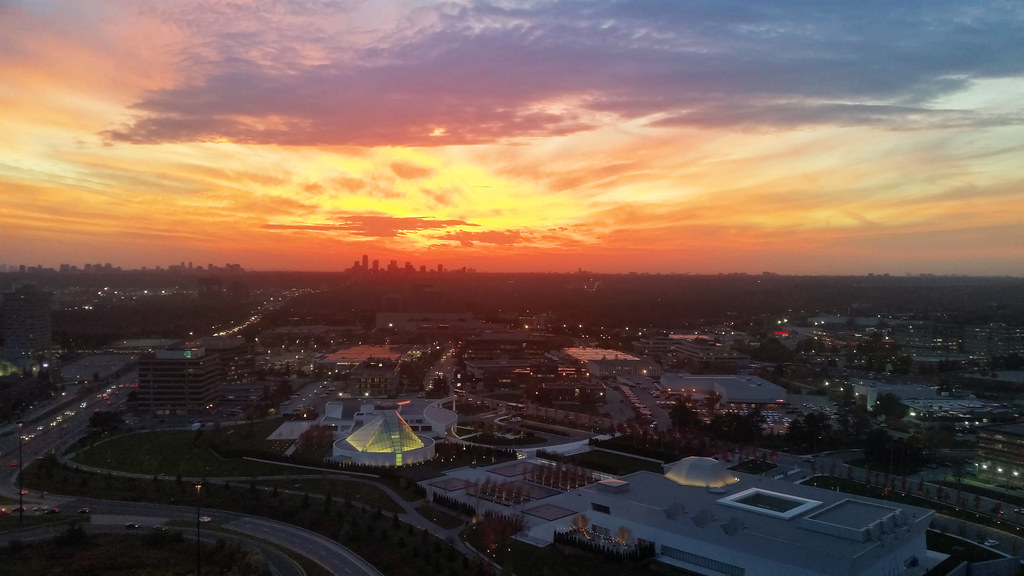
x: 438, y: 387
x: 106, y: 420
x: 711, y: 401
x: 581, y: 523
x: 684, y: 418
x: 735, y: 427
x: 890, y: 407
x: 623, y: 535
x: 812, y: 432
x: 877, y: 447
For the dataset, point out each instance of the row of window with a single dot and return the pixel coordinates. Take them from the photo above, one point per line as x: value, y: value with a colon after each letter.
x: 702, y: 561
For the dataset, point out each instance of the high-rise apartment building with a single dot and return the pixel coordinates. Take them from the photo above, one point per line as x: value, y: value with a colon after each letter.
x: 26, y: 316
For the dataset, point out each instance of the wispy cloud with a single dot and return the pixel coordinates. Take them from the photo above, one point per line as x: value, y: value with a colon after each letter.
x: 374, y: 225
x: 496, y: 237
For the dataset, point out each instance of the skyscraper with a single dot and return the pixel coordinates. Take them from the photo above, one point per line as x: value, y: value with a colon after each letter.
x: 26, y: 320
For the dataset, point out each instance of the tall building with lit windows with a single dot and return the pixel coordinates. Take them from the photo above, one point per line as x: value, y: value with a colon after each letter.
x: 26, y: 317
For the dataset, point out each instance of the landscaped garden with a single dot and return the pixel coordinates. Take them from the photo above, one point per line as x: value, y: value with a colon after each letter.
x: 395, y: 547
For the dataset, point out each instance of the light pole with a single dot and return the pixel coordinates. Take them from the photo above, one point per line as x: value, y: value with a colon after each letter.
x: 21, y: 476
x: 199, y: 487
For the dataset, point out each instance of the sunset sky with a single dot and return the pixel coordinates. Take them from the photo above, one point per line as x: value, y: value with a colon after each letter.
x: 650, y: 136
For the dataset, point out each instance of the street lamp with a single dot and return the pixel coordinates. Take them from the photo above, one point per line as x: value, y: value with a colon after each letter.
x: 199, y: 487
x: 21, y: 476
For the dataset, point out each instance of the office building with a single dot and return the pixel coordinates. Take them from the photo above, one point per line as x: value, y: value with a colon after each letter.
x: 179, y: 381
x: 1001, y: 454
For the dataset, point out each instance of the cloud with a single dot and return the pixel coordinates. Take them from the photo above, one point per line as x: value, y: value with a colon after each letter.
x: 408, y: 171
x: 374, y: 225
x: 787, y: 115
x: 490, y: 72
x: 495, y: 237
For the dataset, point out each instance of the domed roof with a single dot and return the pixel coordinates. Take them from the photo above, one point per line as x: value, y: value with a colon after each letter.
x: 702, y: 472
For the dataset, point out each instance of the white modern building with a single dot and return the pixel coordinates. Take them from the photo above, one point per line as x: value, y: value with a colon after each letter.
x: 706, y: 519
x: 388, y: 434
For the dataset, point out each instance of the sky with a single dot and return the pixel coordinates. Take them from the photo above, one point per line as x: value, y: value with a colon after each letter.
x: 674, y: 136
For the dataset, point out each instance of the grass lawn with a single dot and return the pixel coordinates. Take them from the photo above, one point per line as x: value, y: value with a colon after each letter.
x: 958, y: 550
x: 612, y: 463
x: 525, y: 439
x: 34, y: 519
x: 754, y: 466
x: 171, y: 452
x: 966, y: 550
x: 440, y: 517
x: 975, y: 486
x: 340, y: 490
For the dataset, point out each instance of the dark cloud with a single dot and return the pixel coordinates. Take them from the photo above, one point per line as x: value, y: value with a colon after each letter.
x: 495, y: 237
x: 484, y: 73
x: 374, y: 225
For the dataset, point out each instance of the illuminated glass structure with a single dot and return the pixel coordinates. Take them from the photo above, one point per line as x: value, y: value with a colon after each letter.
x: 384, y: 440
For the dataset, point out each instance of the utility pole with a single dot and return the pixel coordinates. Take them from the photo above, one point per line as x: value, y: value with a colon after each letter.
x: 21, y: 476
x: 199, y: 487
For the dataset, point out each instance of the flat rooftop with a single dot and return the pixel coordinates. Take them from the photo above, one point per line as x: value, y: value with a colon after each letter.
x: 817, y: 530
x: 594, y: 354
x: 357, y: 354
x: 854, y: 514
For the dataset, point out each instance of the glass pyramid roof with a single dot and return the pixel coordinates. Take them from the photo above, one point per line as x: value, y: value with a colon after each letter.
x: 386, y: 432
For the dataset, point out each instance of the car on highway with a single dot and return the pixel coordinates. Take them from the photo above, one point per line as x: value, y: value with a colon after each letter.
x: 51, y: 511
x: 131, y: 526
x: 990, y: 543
x: 84, y: 511
x: 205, y: 519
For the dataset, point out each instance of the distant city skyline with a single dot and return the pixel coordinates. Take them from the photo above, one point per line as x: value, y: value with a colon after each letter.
x: 683, y: 137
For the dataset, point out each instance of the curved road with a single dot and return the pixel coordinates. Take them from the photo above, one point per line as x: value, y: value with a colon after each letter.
x: 334, y: 557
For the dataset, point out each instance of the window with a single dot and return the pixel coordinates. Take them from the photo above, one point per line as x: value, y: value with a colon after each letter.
x: 702, y: 561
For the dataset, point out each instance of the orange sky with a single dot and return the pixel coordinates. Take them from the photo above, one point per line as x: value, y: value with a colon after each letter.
x: 698, y: 137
